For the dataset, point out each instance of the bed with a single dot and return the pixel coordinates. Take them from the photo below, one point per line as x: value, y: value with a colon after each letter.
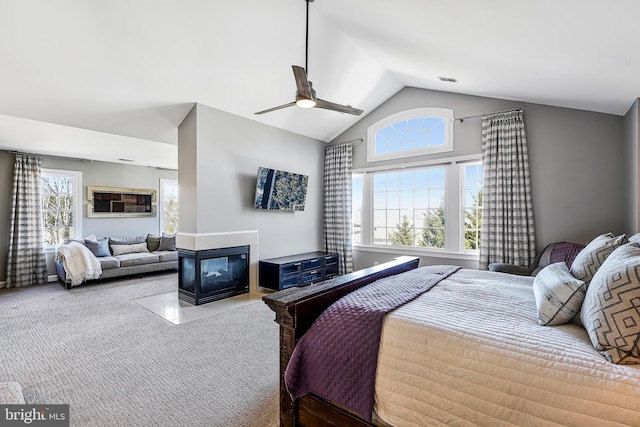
x: 467, y: 352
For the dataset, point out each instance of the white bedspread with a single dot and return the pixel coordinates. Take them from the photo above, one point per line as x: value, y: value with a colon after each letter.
x: 470, y: 352
x: 79, y: 263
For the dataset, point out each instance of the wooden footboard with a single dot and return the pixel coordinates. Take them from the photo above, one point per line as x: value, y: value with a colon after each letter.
x: 296, y: 309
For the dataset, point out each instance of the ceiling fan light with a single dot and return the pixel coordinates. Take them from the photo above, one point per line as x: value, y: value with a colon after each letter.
x: 305, y: 103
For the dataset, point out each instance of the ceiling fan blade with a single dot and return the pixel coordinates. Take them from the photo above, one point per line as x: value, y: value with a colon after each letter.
x: 280, y: 107
x: 302, y: 84
x: 348, y: 109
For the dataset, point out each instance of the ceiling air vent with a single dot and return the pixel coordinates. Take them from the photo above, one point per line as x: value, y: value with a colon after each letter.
x: 448, y: 79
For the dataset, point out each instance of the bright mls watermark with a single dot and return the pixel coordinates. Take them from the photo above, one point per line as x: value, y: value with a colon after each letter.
x: 34, y: 415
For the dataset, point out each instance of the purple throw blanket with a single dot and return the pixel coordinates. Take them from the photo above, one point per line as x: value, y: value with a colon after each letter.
x: 337, y: 358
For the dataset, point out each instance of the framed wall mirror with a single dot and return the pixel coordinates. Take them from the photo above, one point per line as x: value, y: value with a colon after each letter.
x: 116, y: 202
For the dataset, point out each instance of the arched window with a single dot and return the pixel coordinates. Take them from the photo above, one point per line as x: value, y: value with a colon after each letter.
x: 411, y: 133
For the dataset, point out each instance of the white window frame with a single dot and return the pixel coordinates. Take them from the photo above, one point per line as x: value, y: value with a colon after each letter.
x: 427, y: 112
x: 164, y: 181
x: 454, y: 215
x: 78, y: 202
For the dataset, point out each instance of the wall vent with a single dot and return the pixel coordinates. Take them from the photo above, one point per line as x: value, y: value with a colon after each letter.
x: 448, y: 79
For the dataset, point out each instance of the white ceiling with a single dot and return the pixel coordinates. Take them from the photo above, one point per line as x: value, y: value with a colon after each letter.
x: 108, y: 76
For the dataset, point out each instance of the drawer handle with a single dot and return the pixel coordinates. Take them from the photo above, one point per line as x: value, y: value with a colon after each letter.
x: 297, y: 264
x: 313, y: 272
x: 313, y: 260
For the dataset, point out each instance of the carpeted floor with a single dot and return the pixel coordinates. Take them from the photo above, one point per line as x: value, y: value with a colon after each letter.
x: 118, y: 364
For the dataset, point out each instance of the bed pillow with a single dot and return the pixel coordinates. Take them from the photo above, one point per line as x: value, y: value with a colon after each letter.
x: 168, y: 242
x: 153, y: 243
x: 129, y: 249
x: 100, y: 248
x: 635, y: 238
x: 558, y: 294
x: 611, y: 308
x: 589, y: 260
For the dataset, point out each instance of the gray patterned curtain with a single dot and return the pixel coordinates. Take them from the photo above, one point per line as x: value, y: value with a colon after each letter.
x: 337, y: 204
x: 26, y: 262
x: 508, y: 233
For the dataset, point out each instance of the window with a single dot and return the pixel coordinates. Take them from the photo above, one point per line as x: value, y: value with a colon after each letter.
x: 410, y: 133
x: 168, y: 206
x: 408, y: 207
x: 472, y: 205
x: 356, y: 194
x: 434, y: 206
x: 61, y: 206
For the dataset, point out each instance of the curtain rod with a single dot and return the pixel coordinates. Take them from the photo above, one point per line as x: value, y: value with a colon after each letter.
x: 462, y: 119
x: 49, y: 155
x: 346, y: 142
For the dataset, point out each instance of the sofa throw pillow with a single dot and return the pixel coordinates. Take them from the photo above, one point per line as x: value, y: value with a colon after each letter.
x: 589, y: 260
x: 91, y: 237
x: 611, y: 309
x: 127, y: 240
x: 129, y: 249
x: 153, y: 243
x: 99, y: 248
x: 168, y: 242
x: 558, y: 294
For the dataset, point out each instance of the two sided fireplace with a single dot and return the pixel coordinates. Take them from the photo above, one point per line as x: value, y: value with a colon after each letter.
x: 212, y: 274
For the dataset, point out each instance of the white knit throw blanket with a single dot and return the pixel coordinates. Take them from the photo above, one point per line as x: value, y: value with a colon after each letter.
x: 79, y: 263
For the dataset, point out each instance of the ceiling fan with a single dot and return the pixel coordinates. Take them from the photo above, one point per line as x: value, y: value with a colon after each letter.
x: 305, y: 94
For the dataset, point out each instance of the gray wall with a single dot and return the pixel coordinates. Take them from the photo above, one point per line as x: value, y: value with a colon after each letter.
x: 575, y: 159
x: 114, y: 175
x: 219, y: 156
x: 630, y: 126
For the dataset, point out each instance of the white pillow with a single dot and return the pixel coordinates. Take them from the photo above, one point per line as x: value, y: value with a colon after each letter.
x: 558, y: 294
x: 129, y: 249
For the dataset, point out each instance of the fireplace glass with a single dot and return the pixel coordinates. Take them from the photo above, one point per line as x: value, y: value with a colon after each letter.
x: 213, y: 274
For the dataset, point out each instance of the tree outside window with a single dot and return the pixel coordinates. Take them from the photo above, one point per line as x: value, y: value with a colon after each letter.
x: 61, y: 204
x: 169, y: 206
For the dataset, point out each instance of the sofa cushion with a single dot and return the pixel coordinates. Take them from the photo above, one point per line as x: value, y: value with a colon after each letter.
x: 153, y: 243
x: 128, y: 260
x: 589, y: 260
x: 168, y: 242
x: 166, y: 256
x: 129, y: 249
x: 99, y: 248
x: 109, y: 262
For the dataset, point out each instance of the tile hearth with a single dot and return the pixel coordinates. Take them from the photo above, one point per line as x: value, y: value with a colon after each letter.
x: 169, y: 307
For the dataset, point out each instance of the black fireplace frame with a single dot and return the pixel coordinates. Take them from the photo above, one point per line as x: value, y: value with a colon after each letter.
x: 198, y: 297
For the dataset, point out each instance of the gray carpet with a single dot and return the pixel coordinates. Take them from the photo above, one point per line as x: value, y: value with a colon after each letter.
x: 118, y: 364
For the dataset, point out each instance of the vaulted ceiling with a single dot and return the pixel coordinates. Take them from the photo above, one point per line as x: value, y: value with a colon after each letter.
x: 112, y: 79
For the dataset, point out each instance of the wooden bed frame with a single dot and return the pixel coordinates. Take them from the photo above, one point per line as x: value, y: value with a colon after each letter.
x: 296, y: 309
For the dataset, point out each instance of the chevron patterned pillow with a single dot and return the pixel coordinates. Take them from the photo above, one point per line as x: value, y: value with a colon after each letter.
x: 558, y: 294
x: 593, y: 255
x: 611, y: 308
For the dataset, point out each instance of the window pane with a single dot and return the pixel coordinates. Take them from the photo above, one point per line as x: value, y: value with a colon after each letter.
x: 169, y: 205
x: 57, y: 208
x: 472, y: 205
x: 413, y: 216
x: 356, y: 212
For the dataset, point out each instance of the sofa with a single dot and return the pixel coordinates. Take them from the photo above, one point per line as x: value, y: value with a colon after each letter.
x: 554, y: 252
x: 78, y: 261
